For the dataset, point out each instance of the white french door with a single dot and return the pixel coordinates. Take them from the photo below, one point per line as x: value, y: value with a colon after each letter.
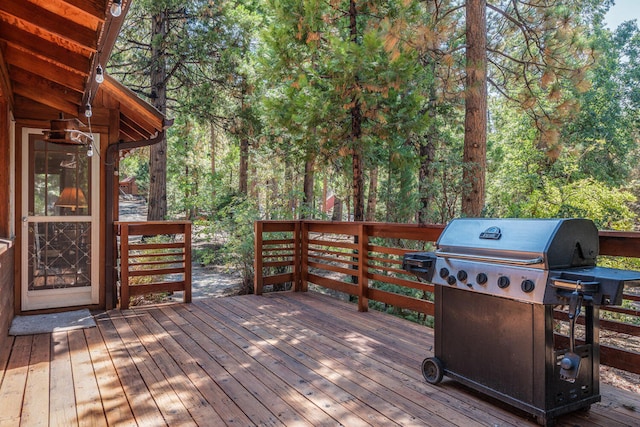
x: 60, y: 223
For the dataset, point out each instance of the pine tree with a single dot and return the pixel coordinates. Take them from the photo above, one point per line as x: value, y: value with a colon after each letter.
x: 338, y: 81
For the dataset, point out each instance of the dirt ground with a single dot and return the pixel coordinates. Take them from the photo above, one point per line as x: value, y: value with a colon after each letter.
x: 620, y: 379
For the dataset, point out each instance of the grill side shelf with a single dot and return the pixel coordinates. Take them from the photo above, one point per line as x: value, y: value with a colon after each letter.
x: 422, y: 264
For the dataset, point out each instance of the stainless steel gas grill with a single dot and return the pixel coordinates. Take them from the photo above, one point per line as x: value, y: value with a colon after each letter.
x: 497, y: 284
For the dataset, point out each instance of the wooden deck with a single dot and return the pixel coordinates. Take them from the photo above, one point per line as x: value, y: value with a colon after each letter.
x: 281, y: 359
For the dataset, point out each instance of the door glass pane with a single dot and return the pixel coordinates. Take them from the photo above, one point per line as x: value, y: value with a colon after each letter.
x: 60, y: 180
x: 59, y: 255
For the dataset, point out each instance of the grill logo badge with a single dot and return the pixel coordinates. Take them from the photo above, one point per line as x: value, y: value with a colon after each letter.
x: 491, y: 233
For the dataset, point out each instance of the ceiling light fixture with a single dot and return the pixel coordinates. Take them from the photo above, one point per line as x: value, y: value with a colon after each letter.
x: 116, y: 8
x: 99, y: 74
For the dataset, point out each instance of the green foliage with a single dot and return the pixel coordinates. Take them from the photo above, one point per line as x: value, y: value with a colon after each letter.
x: 602, y: 135
x: 136, y: 165
x: 587, y: 173
x: 284, y: 76
x: 237, y: 220
x: 316, y: 72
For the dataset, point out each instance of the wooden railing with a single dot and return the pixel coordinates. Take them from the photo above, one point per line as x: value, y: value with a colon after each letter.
x: 154, y: 257
x: 364, y: 260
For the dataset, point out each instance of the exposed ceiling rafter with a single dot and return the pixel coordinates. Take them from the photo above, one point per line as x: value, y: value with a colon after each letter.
x: 49, y: 53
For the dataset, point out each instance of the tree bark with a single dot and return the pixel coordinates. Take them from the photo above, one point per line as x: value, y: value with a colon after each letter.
x: 307, y: 203
x: 475, y: 123
x: 254, y: 191
x: 324, y: 193
x: 212, y: 143
x: 243, y: 176
x: 336, y: 215
x: 356, y: 129
x: 427, y: 153
x: 426, y: 177
x: 372, y: 200
x: 157, y: 210
x: 288, y: 188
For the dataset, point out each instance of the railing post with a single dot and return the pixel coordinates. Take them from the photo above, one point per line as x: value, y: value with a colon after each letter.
x: 187, y: 262
x: 297, y: 277
x: 124, y: 266
x: 363, y: 253
x: 304, y: 256
x: 257, y: 259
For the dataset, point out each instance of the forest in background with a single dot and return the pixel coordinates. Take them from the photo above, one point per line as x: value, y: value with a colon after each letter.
x: 355, y: 110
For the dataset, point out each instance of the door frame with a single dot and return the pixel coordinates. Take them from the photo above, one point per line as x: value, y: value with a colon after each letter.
x: 69, y: 297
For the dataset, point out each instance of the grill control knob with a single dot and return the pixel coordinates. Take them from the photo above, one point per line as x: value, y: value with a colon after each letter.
x: 462, y: 275
x: 444, y: 272
x: 451, y: 280
x: 482, y: 278
x: 528, y: 285
x: 503, y: 282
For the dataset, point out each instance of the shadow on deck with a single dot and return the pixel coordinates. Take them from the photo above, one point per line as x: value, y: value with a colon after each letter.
x: 280, y: 359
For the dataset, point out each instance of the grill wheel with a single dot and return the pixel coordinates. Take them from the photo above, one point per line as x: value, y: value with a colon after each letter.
x: 432, y: 370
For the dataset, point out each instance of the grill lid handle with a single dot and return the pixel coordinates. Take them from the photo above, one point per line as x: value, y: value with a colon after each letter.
x: 484, y: 258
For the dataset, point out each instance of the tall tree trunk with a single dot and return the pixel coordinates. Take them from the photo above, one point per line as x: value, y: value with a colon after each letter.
x: 194, y: 211
x: 324, y: 193
x: 388, y: 206
x: 358, y: 184
x: 273, y: 196
x: 475, y: 123
x: 426, y: 176
x: 212, y: 143
x: 307, y: 186
x: 243, y: 176
x: 254, y: 192
x: 427, y: 154
x: 336, y: 215
x: 158, y: 154
x: 373, y: 194
x: 356, y: 129
x: 288, y: 188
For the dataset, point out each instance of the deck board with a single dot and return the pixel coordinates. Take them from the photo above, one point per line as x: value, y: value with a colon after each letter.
x: 35, y: 407
x: 116, y: 407
x: 14, y: 381
x: 62, y: 400
x: 288, y: 359
x: 87, y: 395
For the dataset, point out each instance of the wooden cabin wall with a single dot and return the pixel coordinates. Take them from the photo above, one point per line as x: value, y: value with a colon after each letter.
x: 6, y: 294
x: 7, y: 248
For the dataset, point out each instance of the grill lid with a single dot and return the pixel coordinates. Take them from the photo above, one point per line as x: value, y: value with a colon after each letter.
x: 542, y: 243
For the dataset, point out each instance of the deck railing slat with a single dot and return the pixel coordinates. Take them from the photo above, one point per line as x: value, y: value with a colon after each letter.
x: 367, y: 248
x: 166, y: 258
